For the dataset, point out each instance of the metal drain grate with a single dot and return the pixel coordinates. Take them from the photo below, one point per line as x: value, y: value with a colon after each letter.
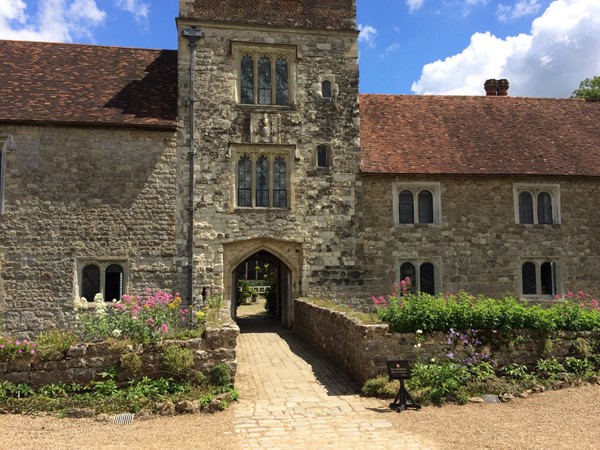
x: 123, y: 419
x: 490, y: 398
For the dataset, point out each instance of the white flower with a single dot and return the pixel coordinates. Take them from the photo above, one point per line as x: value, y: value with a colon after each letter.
x: 432, y: 360
x: 418, y: 345
x: 117, y: 333
x: 419, y: 331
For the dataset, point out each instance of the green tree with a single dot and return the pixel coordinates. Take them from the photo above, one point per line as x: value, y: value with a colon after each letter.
x: 589, y: 89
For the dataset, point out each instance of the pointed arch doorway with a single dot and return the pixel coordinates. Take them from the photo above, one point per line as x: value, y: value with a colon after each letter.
x: 283, y: 261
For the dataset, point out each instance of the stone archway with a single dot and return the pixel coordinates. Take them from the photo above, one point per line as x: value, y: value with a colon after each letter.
x: 285, y: 256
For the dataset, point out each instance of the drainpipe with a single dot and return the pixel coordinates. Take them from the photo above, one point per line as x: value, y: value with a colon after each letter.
x: 192, y: 35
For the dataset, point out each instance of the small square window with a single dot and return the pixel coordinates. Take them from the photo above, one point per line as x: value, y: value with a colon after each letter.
x: 109, y: 278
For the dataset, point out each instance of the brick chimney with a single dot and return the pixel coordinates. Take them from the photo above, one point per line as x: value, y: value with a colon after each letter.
x: 496, y: 87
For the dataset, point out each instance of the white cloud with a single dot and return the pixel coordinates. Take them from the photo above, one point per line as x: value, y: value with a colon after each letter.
x: 521, y: 8
x: 414, y: 5
x: 561, y: 49
x: 54, y: 20
x: 367, y: 34
x: 61, y: 20
x: 139, y: 9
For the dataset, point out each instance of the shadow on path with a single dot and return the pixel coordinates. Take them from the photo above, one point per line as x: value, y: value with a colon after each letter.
x: 333, y: 379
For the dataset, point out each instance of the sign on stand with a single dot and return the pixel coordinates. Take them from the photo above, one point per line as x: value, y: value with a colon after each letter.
x: 400, y: 370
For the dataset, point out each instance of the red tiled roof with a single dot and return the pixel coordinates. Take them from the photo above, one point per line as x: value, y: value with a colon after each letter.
x: 324, y: 14
x: 481, y: 135
x: 87, y: 84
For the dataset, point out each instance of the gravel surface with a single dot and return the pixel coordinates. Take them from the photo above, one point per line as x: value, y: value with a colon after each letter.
x: 566, y: 419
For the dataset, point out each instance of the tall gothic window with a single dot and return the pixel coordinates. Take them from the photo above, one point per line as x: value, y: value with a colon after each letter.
x: 525, y: 208
x: 422, y: 276
x: 539, y: 278
x: 326, y: 89
x: 262, y: 180
x: 264, y: 79
x: 537, y: 204
x: 323, y: 156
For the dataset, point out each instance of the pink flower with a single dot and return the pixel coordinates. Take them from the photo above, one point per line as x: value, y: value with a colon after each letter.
x: 150, y: 321
x: 164, y: 329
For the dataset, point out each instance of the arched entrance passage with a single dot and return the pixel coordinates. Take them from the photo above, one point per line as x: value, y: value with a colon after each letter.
x: 283, y: 257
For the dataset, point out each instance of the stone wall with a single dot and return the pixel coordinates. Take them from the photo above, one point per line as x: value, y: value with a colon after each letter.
x: 73, y: 193
x: 84, y: 362
x: 322, y: 215
x: 478, y: 246
x: 363, y: 349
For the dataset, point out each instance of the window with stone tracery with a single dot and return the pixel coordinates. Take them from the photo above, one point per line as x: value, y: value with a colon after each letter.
x: 107, y: 278
x: 265, y: 73
x: 262, y: 178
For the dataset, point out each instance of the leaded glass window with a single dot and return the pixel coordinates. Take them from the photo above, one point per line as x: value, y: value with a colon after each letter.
x: 244, y: 181
x: 282, y: 88
x: 548, y: 279
x: 90, y: 282
x: 279, y: 183
x: 262, y: 181
x: 265, y: 88
x: 407, y: 270
x: 247, y: 79
x: 425, y: 207
x: 427, y: 278
x: 544, y: 207
x: 322, y: 156
x: 525, y: 208
x: 406, y: 207
x: 528, y: 278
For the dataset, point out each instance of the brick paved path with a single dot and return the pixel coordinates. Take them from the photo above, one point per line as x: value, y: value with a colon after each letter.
x: 294, y: 398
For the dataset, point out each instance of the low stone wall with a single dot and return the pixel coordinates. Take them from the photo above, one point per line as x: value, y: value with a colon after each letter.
x: 363, y: 349
x: 84, y: 362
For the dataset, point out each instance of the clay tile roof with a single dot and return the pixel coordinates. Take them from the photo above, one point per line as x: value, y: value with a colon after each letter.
x: 87, y: 84
x: 480, y: 135
x: 320, y: 14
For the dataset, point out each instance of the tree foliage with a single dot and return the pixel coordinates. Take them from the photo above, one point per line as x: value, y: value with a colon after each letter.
x: 589, y: 89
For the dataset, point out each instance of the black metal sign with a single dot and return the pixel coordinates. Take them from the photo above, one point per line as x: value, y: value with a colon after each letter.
x: 398, y: 370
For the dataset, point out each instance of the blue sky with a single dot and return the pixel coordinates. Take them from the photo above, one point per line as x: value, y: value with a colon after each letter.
x: 544, y: 47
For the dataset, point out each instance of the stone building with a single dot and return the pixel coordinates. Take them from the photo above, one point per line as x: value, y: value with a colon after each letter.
x: 123, y: 169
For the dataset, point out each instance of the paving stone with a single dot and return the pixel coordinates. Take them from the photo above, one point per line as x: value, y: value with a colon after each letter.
x: 297, y: 399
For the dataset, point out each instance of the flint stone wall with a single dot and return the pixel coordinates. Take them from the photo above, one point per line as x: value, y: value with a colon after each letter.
x: 84, y: 362
x: 363, y: 349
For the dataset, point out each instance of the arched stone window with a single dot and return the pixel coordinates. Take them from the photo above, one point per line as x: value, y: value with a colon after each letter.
x: 406, y: 207
x: 113, y: 282
x: 544, y: 207
x: 264, y: 75
x: 425, y: 206
x: 537, y: 204
x: 244, y: 188
x: 102, y: 277
x: 525, y: 208
x: 423, y: 276
x: 90, y: 282
x: 539, y: 278
x: 279, y: 182
x: 263, y: 179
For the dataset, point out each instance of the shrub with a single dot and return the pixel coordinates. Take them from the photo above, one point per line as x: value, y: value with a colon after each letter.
x: 410, y: 312
x: 178, y: 360
x: 381, y: 387
x: 438, y: 383
x: 53, y: 344
x: 220, y: 375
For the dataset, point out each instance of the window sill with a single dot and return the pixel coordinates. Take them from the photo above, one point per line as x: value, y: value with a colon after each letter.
x: 261, y: 108
x: 246, y: 209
